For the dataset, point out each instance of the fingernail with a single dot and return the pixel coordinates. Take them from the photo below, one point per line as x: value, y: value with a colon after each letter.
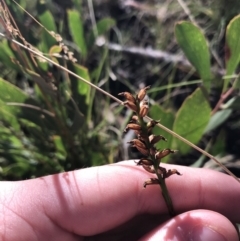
x: 204, y: 233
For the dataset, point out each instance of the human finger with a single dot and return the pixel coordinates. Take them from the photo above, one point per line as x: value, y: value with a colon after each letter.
x: 196, y: 225
x: 95, y: 200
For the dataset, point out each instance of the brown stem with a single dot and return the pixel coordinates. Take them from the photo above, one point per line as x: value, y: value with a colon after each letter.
x: 221, y: 100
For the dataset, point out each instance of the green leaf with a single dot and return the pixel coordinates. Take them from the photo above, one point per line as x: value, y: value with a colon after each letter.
x: 233, y: 103
x: 191, y: 120
x: 194, y: 45
x: 166, y: 118
x: 217, y: 119
x: 11, y: 93
x: 6, y: 55
x: 16, y: 102
x: 60, y: 146
x: 8, y: 140
x: 233, y: 45
x: 77, y: 4
x: 78, y: 121
x: 41, y: 82
x: 7, y: 118
x: 102, y: 26
x: 19, y: 169
x: 219, y: 147
x: 47, y: 20
x: 55, y: 49
x: 76, y: 29
x: 82, y: 88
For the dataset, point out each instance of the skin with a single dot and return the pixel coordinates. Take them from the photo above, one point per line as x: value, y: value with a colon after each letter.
x: 110, y: 203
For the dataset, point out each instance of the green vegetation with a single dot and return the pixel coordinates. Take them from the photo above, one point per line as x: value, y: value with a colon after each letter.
x: 51, y: 121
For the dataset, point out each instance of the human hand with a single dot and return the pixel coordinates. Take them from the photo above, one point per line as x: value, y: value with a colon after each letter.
x: 110, y: 203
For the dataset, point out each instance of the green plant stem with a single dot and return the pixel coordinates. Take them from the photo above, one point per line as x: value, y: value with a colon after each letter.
x: 165, y: 193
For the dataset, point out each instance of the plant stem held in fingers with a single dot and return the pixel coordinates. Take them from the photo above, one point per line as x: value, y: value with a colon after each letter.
x: 145, y: 144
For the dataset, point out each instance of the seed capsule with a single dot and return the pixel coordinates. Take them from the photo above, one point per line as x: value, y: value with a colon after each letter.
x: 128, y: 96
x: 153, y: 139
x: 142, y: 93
x: 131, y: 105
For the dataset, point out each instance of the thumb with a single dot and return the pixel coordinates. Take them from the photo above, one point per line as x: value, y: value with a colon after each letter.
x: 197, y: 225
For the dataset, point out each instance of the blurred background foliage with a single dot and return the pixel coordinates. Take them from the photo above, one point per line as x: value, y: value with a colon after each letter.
x: 52, y: 122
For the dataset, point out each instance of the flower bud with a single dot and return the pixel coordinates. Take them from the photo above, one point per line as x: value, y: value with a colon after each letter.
x: 153, y: 151
x: 138, y: 132
x: 128, y: 96
x: 142, y: 93
x: 151, y: 124
x: 144, y: 161
x: 151, y: 181
x: 143, y: 110
x: 131, y: 105
x: 153, y: 139
x: 161, y: 171
x: 144, y: 102
x: 137, y: 143
x: 163, y: 153
x: 140, y: 146
x: 149, y: 168
x: 133, y: 126
x: 135, y: 118
x: 144, y: 151
x: 171, y: 172
x: 142, y: 137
